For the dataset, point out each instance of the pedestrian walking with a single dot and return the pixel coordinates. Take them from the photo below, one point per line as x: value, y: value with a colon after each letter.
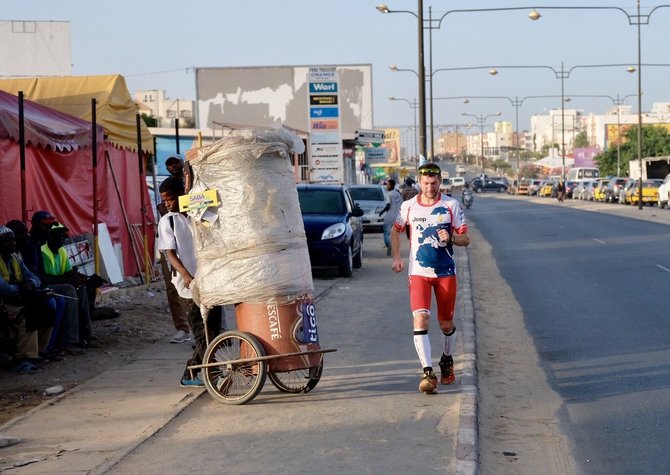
x: 393, y: 202
x: 437, y: 224
x: 176, y: 241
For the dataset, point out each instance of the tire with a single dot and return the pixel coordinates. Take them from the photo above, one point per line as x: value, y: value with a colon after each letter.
x: 357, y: 261
x: 346, y: 268
x: 501, y: 189
x: 236, y: 383
x: 297, y: 381
x: 479, y: 190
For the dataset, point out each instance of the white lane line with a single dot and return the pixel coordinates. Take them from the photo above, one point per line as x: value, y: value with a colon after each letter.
x: 663, y: 268
x: 599, y: 241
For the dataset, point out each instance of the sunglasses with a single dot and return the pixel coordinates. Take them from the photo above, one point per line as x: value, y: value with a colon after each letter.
x: 430, y: 171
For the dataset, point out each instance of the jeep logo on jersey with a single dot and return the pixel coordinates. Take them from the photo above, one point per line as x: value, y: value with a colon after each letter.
x: 322, y: 87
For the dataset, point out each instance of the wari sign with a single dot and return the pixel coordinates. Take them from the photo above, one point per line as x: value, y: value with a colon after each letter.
x: 325, y: 127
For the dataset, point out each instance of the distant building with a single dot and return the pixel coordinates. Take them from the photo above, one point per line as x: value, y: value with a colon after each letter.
x: 35, y: 48
x: 154, y: 104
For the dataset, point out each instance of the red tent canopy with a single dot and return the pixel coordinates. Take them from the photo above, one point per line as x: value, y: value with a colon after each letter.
x: 59, y: 174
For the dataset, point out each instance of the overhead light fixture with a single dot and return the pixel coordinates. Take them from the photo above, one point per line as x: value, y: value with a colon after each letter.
x: 534, y: 15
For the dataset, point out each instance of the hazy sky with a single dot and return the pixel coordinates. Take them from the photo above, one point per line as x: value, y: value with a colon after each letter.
x: 155, y: 43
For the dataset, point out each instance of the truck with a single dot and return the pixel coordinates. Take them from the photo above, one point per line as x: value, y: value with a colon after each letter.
x: 460, y: 170
x: 652, y: 167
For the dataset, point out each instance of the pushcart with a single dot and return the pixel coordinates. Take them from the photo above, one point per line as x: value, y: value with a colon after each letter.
x: 275, y: 339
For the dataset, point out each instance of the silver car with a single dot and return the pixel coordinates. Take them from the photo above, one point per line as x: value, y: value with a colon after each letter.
x: 372, y: 199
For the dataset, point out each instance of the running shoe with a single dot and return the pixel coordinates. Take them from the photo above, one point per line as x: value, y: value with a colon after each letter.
x: 180, y: 337
x: 196, y: 382
x: 428, y: 383
x: 447, y: 370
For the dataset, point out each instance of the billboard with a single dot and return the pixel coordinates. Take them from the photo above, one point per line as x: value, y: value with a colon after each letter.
x: 613, y: 137
x: 261, y: 96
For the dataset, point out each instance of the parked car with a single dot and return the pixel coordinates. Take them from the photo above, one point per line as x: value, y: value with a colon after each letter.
x: 578, y: 192
x: 590, y: 189
x: 570, y: 188
x: 546, y: 189
x: 533, y: 187
x: 624, y: 192
x: 522, y: 187
x: 599, y: 189
x: 613, y: 187
x: 445, y: 186
x: 371, y: 199
x: 649, y: 193
x: 488, y: 185
x: 333, y: 227
x: 664, y: 193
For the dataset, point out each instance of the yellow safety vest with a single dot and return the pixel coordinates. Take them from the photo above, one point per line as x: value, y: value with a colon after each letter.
x: 16, y: 268
x: 50, y: 260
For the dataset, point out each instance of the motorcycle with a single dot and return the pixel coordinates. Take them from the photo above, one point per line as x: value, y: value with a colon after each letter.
x: 467, y: 198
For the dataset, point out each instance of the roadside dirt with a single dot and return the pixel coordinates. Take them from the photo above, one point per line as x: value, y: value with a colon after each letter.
x: 144, y: 320
x: 518, y: 423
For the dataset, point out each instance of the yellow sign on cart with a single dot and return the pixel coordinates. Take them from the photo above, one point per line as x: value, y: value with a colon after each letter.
x: 198, y: 200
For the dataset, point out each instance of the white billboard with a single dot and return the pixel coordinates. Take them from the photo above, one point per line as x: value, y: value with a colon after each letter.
x: 35, y: 48
x: 261, y: 96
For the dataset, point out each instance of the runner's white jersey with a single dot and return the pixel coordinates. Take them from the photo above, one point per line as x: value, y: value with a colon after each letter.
x: 428, y: 256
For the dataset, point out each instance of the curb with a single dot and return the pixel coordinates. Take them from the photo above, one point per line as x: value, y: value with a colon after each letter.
x: 467, y: 449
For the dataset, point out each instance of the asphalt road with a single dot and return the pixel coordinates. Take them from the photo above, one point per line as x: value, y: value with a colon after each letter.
x: 594, y: 289
x: 365, y: 416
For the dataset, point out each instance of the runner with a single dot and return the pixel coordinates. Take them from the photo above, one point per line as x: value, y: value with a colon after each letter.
x: 436, y: 224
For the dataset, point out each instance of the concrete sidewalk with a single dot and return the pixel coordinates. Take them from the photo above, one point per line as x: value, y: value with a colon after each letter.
x: 92, y: 427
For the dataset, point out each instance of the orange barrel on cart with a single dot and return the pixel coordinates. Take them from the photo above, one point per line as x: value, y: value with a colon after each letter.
x: 283, y: 325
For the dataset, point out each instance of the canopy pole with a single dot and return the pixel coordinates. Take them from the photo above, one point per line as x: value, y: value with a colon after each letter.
x: 22, y: 158
x: 94, y: 153
x: 143, y: 186
x: 157, y: 196
x: 176, y: 132
x: 123, y: 212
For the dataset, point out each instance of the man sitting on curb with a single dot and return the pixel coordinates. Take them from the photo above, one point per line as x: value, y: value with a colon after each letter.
x: 33, y: 311
x: 56, y: 269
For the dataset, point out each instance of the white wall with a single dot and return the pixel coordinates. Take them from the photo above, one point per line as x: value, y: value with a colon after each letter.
x: 35, y: 48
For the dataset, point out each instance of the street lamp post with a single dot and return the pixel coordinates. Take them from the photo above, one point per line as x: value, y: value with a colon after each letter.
x: 434, y: 24
x: 413, y: 106
x: 561, y: 74
x: 638, y: 20
x: 481, y: 120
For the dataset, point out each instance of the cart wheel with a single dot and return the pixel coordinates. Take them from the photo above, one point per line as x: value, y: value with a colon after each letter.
x: 235, y: 383
x: 299, y: 380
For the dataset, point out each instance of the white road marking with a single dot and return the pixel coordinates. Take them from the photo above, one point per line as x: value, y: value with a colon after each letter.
x: 599, y: 241
x: 663, y: 268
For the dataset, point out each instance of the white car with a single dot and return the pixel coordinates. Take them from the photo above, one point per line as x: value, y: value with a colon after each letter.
x: 664, y: 193
x: 372, y: 199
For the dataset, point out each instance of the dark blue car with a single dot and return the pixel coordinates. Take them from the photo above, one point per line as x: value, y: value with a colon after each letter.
x: 333, y: 227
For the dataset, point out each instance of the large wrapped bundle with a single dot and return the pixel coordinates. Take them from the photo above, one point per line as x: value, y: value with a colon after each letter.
x: 252, y: 247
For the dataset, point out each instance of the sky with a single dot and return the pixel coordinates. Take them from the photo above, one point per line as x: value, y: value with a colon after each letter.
x: 155, y: 44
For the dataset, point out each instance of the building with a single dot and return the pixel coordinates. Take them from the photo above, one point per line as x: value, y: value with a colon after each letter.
x: 35, y: 48
x: 547, y: 130
x: 153, y: 103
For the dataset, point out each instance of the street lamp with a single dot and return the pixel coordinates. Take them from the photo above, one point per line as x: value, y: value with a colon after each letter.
x: 638, y: 20
x: 432, y: 24
x: 412, y: 105
x: 561, y: 74
x: 481, y: 120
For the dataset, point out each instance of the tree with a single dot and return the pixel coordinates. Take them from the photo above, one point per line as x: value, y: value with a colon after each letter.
x: 655, y: 143
x: 150, y: 121
x: 501, y: 165
x: 581, y: 140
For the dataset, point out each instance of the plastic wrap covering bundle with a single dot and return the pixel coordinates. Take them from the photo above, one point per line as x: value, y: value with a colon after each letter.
x: 256, y: 248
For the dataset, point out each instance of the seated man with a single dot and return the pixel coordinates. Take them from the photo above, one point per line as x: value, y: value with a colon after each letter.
x: 34, y: 311
x: 56, y: 270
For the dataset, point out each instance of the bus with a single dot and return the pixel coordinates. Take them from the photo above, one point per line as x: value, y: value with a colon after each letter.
x: 583, y: 173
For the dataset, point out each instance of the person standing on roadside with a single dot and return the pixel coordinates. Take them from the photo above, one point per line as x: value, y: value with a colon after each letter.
x: 175, y: 166
x: 437, y: 224
x: 393, y: 202
x: 408, y: 192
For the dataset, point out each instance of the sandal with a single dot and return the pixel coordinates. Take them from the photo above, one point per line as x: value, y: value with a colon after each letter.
x: 25, y: 367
